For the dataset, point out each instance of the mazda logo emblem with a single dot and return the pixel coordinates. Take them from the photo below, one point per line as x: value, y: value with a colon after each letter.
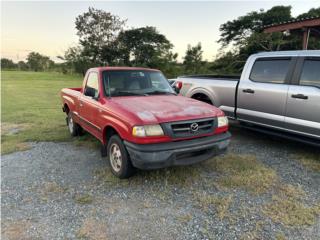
x: 194, y: 127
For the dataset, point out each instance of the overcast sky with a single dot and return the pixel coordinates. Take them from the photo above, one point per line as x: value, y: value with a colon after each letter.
x: 48, y: 27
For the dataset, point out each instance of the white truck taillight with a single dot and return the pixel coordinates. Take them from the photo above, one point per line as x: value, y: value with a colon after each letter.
x: 178, y: 85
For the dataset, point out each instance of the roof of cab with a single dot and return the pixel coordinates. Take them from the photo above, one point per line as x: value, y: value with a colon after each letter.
x: 289, y: 53
x: 124, y: 68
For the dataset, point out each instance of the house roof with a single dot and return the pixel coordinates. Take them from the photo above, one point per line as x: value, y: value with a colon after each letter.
x: 311, y: 22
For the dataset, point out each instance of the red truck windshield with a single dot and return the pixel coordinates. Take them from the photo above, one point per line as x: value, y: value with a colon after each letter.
x: 135, y: 82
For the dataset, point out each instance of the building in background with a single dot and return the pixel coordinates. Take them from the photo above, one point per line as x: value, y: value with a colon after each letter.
x: 304, y: 27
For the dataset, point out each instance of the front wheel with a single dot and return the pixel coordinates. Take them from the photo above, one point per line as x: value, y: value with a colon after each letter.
x: 119, y: 159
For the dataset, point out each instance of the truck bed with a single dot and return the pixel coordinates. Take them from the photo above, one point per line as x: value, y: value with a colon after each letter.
x: 74, y: 89
x: 220, y: 89
x: 214, y: 77
x: 71, y: 97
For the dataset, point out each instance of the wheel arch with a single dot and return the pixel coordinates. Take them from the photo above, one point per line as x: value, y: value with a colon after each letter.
x: 202, y: 97
x: 66, y: 108
x: 205, y: 93
x: 108, y: 131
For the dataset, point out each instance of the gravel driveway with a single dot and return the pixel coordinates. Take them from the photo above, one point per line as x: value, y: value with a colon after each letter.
x: 63, y: 191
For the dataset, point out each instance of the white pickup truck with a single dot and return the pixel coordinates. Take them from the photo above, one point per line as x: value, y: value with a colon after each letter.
x: 276, y: 91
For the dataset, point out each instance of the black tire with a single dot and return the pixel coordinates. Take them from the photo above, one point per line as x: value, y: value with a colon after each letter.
x: 125, y: 168
x: 73, y: 127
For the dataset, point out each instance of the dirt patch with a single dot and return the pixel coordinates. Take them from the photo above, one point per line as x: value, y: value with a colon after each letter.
x: 13, y: 128
x: 15, y: 230
x: 52, y: 187
x: 93, y: 230
x: 50, y: 190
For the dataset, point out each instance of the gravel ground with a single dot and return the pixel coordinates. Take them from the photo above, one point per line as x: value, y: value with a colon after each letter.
x: 63, y: 191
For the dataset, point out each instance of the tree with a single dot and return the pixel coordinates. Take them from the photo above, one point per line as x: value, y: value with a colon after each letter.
x: 7, y: 63
x: 38, y: 62
x: 193, y: 59
x: 144, y: 46
x: 313, y: 12
x: 238, y: 30
x: 77, y: 60
x: 246, y: 36
x: 98, y: 30
x: 23, y: 66
x: 147, y: 47
x: 228, y: 63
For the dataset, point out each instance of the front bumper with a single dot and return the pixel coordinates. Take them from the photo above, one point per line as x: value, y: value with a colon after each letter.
x: 153, y: 156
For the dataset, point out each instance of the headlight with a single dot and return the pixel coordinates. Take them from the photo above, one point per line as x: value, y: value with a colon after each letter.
x: 147, y: 130
x: 222, y: 121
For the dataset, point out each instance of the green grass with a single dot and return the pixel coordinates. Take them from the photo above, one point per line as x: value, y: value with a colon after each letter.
x: 30, y: 101
x: 287, y: 207
x: 167, y: 178
x: 221, y: 204
x: 244, y: 171
x: 84, y: 199
x: 291, y: 212
x: 309, y: 160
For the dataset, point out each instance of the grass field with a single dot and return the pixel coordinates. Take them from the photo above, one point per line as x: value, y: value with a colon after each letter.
x: 31, y: 108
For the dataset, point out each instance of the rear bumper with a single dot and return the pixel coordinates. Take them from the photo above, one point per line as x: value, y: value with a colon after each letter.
x: 153, y: 156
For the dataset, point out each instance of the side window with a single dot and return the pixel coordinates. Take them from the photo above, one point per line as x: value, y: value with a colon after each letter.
x: 310, y: 74
x: 270, y: 70
x: 92, y: 84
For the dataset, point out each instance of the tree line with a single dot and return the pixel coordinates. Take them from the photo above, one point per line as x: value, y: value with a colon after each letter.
x: 105, y: 40
x: 34, y: 62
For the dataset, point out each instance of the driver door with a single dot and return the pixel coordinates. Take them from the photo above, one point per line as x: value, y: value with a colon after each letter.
x: 89, y: 104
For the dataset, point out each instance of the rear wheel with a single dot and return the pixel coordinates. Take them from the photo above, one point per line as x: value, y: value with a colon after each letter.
x: 119, y: 159
x: 73, y: 127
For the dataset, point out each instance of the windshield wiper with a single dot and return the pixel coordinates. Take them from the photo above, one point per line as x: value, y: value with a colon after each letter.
x: 128, y: 93
x: 161, y: 92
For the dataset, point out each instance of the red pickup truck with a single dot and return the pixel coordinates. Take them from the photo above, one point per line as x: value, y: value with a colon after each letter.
x: 141, y: 122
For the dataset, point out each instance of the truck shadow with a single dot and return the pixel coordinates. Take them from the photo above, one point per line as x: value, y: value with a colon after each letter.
x: 241, y: 135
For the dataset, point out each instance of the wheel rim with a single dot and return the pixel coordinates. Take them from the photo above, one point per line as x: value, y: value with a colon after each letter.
x: 115, y: 157
x: 70, y: 124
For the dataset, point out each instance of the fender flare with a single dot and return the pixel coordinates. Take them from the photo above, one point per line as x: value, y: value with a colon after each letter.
x: 204, y: 92
x: 121, y: 129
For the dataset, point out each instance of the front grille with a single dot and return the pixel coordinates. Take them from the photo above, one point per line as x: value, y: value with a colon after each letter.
x: 189, y: 128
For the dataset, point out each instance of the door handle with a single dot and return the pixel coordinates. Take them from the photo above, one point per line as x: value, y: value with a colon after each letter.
x: 248, y: 91
x: 300, y: 96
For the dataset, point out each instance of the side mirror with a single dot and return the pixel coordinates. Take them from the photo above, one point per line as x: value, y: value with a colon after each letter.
x: 91, y: 92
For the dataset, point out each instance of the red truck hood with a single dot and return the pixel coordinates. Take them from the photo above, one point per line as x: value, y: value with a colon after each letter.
x: 158, y: 109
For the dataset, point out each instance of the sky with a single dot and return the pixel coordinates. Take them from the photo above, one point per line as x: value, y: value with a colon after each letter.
x: 48, y: 27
